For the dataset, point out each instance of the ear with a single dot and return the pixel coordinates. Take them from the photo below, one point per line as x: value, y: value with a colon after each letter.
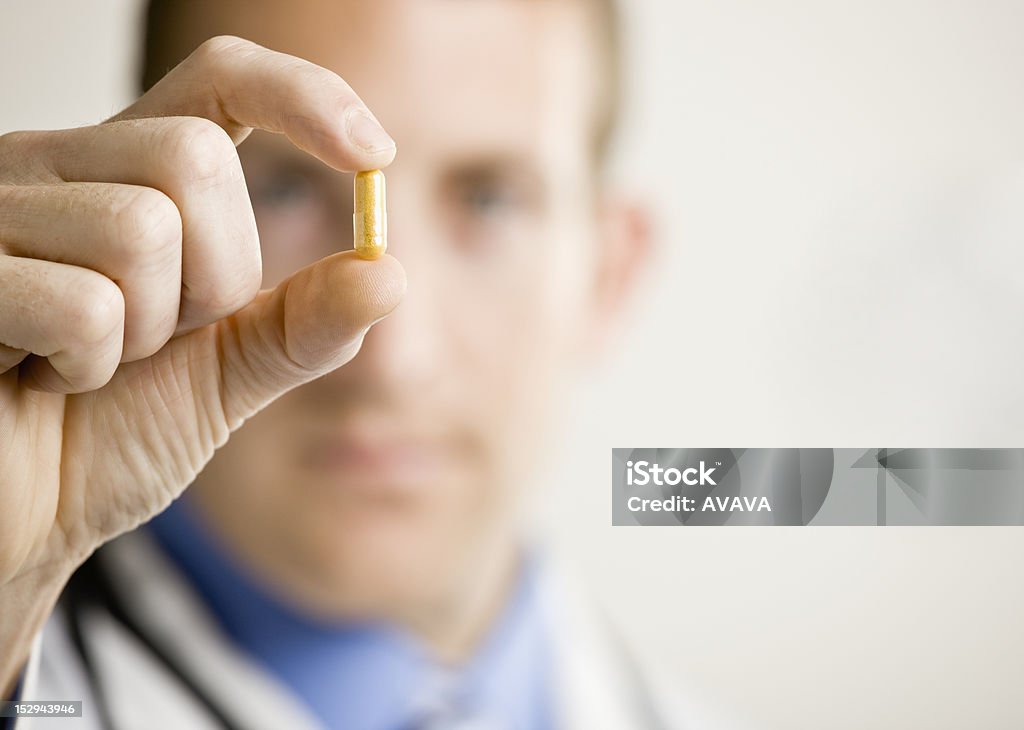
x: 626, y: 250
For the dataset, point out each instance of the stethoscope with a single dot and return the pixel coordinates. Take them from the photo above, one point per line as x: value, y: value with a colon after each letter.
x: 91, y: 589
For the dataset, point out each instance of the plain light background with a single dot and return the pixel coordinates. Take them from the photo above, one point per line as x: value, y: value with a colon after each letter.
x: 839, y: 189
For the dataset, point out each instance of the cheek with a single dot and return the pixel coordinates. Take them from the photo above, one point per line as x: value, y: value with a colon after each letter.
x: 289, y: 242
x: 300, y: 231
x: 527, y: 325
x: 248, y: 471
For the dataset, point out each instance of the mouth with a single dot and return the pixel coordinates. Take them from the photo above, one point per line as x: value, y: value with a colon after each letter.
x: 375, y: 463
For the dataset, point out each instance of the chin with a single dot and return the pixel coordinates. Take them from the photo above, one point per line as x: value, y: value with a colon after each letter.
x: 371, y: 568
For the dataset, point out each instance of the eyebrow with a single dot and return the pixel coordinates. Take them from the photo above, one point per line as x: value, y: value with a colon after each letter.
x: 286, y: 158
x: 490, y: 166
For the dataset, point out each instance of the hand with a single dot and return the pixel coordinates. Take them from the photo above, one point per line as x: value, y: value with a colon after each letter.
x: 134, y: 335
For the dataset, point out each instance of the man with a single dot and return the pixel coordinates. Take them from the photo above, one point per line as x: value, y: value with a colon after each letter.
x: 355, y: 555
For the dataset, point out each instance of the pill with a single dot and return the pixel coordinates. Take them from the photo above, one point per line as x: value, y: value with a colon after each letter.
x: 370, y: 218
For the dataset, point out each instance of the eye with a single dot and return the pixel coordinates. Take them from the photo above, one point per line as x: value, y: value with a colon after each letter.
x: 489, y: 207
x: 490, y: 198
x: 282, y: 190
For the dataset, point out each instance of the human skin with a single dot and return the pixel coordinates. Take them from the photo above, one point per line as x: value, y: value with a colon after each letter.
x: 134, y: 339
x: 390, y: 488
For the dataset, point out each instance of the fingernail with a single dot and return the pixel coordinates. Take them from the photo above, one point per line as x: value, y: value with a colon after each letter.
x: 366, y: 132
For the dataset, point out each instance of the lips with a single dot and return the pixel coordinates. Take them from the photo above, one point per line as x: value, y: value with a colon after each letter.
x: 361, y: 460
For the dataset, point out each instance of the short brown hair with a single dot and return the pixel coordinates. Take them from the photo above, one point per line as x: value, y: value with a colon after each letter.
x: 162, y: 50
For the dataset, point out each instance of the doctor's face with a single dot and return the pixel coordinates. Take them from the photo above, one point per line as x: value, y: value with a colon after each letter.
x: 388, y: 482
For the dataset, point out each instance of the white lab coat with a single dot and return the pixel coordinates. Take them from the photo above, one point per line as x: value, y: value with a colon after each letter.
x: 596, y: 682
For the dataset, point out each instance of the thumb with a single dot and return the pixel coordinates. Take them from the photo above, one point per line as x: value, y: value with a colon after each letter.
x: 310, y: 324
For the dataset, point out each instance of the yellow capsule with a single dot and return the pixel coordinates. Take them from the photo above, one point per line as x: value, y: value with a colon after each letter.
x: 370, y: 219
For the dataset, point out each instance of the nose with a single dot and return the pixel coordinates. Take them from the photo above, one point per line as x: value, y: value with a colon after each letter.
x: 404, y: 352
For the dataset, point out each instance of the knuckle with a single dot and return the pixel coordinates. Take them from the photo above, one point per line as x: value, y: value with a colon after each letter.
x: 98, y: 310
x: 20, y: 150
x: 202, y: 150
x: 15, y: 140
x: 146, y: 224
x: 7, y: 143
x: 89, y: 380
x: 220, y: 300
x: 215, y: 51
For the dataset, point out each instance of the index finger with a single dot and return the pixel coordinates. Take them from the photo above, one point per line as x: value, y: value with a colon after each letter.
x: 240, y: 85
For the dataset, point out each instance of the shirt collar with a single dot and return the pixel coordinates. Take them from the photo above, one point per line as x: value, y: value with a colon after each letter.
x: 366, y: 675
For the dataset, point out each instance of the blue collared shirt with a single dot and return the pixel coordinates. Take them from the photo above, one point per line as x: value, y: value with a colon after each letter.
x: 369, y: 676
